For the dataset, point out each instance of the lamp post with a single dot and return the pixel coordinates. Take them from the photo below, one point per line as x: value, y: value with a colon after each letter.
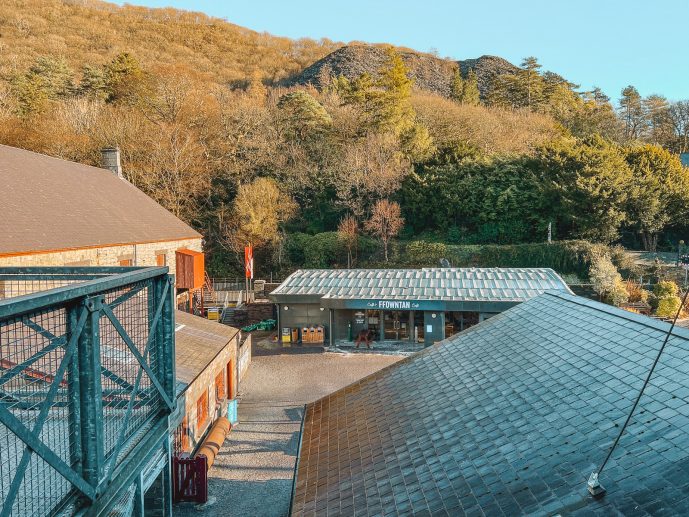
x: 683, y: 260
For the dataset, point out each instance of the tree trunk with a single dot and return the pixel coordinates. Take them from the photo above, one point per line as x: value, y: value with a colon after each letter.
x: 649, y: 240
x: 644, y: 241
x: 385, y: 249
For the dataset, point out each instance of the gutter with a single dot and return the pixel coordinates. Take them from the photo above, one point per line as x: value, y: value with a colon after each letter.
x: 296, y: 464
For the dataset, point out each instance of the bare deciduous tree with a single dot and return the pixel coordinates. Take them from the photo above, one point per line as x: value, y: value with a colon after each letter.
x: 373, y: 166
x: 386, y: 222
x: 348, y: 230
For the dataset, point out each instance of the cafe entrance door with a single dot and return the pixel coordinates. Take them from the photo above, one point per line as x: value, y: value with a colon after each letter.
x: 396, y: 325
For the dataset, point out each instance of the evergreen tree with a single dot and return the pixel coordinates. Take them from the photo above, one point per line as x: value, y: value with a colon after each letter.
x: 457, y: 86
x: 661, y: 192
x: 384, y: 103
x: 523, y: 89
x: 125, y: 78
x: 471, y: 95
x: 658, y: 122
x: 632, y: 112
x: 94, y: 82
x: 595, y: 115
x: 48, y: 79
x: 394, y: 110
x: 304, y: 115
x: 590, y: 183
x: 531, y: 81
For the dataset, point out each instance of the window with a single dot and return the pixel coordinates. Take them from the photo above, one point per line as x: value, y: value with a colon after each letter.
x: 220, y: 392
x: 201, y: 411
x: 181, y: 439
x: 126, y: 262
x: 161, y: 258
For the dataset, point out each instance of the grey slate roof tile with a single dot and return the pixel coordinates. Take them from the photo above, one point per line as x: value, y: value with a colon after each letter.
x: 475, y: 284
x: 509, y: 418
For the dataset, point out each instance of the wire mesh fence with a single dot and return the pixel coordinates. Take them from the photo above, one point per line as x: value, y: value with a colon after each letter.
x: 81, y: 373
x: 29, y: 362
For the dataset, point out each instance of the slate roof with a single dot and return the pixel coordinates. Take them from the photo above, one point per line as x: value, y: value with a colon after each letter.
x: 471, y: 284
x: 509, y: 418
x: 51, y: 204
x: 197, y: 342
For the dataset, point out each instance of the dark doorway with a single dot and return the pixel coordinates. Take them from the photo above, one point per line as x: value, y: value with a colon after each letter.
x: 396, y: 325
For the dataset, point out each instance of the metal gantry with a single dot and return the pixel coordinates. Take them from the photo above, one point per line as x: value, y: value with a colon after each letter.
x: 86, y: 387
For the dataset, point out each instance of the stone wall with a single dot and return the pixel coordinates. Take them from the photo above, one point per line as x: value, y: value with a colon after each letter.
x: 140, y: 254
x: 244, y: 359
x: 204, y: 385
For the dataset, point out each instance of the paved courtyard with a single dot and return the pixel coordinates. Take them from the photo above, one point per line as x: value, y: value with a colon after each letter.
x: 253, y: 472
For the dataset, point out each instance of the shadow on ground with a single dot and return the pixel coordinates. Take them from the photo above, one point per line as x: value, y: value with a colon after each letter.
x: 253, y: 472
x: 236, y: 493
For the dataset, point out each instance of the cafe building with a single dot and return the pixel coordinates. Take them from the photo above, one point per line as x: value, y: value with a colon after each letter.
x: 417, y: 305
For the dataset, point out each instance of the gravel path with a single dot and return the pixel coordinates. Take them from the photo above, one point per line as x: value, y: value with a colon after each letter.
x: 252, y: 474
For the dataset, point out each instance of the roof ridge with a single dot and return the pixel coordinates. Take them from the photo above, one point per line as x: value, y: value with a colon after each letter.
x: 72, y: 162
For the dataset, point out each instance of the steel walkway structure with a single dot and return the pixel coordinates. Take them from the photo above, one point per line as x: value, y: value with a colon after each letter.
x: 86, y: 387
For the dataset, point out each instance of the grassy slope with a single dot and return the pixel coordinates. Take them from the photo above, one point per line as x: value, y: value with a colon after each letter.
x: 89, y: 31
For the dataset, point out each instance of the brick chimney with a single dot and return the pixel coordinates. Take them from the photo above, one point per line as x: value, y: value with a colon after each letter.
x: 110, y: 159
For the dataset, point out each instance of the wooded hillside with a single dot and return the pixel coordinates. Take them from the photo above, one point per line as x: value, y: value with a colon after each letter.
x: 364, y: 156
x: 93, y: 32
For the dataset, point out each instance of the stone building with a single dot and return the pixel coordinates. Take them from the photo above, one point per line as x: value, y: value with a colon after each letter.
x: 62, y: 213
x: 207, y: 377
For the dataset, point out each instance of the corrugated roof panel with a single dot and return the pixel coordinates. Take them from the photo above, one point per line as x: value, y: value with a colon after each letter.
x: 490, y: 284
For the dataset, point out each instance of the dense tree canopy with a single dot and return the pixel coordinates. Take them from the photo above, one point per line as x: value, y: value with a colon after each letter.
x: 244, y: 159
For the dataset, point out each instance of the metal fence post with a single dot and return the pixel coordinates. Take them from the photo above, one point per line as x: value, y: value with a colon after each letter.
x: 167, y: 327
x: 164, y: 332
x: 73, y: 403
x: 90, y: 391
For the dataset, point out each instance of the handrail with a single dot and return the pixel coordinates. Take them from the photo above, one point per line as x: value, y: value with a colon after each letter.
x: 43, y: 270
x: 85, y: 346
x: 12, y: 307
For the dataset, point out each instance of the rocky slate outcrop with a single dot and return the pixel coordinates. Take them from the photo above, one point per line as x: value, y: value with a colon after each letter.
x: 430, y: 73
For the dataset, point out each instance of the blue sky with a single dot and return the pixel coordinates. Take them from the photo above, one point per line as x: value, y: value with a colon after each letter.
x: 606, y: 43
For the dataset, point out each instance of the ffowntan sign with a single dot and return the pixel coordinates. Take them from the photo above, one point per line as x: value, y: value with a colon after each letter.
x: 392, y: 304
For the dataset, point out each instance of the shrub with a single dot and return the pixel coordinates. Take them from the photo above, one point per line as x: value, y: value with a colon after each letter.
x: 565, y: 257
x: 295, y: 246
x: 665, y: 289
x: 637, y: 294
x: 454, y: 235
x: 665, y: 300
x: 667, y: 307
x: 423, y: 253
x: 607, y: 281
x: 324, y: 250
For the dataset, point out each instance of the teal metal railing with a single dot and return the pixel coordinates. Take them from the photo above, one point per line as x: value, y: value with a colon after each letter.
x: 86, y: 384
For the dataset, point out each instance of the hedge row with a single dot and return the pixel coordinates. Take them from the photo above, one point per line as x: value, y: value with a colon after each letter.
x: 326, y: 250
x: 565, y: 257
